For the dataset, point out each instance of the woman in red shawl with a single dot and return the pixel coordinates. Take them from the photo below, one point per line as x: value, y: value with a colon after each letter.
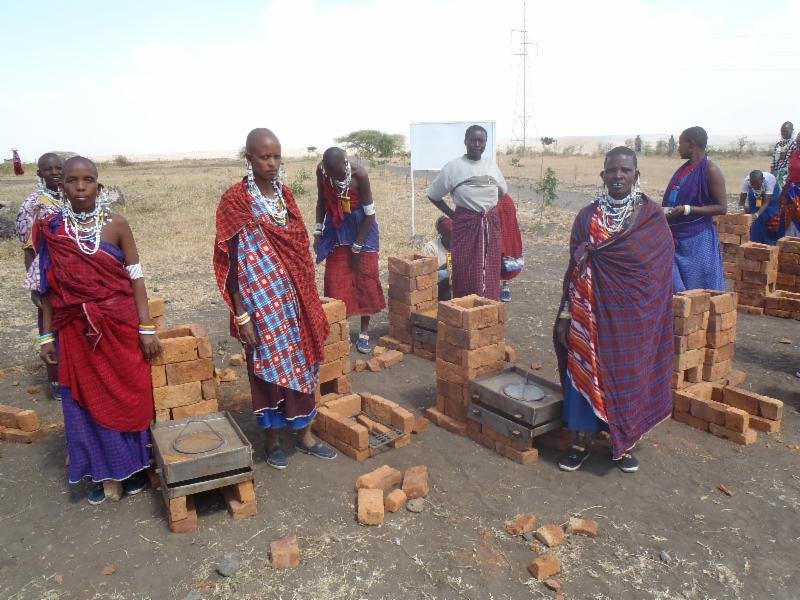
x: 97, y: 328
x: 18, y: 170
x: 266, y: 276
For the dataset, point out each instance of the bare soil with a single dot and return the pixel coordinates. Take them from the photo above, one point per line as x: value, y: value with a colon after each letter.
x: 55, y: 545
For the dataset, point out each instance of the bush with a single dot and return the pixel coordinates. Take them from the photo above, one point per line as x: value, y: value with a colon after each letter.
x: 547, y: 187
x: 122, y: 161
x: 371, y: 143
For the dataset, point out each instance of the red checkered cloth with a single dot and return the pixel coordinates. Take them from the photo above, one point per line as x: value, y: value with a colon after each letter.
x: 291, y: 246
x: 361, y: 290
x: 511, y: 241
x: 476, y: 253
x: 95, y: 317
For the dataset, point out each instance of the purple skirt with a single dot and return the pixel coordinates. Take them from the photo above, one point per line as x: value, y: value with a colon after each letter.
x: 98, y: 453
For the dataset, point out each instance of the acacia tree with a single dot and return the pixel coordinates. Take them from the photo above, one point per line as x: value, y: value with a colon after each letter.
x: 371, y: 143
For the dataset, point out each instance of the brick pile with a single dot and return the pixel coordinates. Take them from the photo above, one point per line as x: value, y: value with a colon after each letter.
x: 381, y: 359
x: 346, y: 422
x: 758, y: 266
x: 19, y: 425
x: 733, y: 230
x: 336, y: 364
x: 183, y: 374
x: 157, y: 308
x: 788, y: 265
x: 412, y: 288
x: 704, y: 337
x: 728, y: 412
x: 240, y: 498
x: 387, y: 490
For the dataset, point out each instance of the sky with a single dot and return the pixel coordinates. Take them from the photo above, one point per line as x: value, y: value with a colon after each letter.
x: 152, y: 77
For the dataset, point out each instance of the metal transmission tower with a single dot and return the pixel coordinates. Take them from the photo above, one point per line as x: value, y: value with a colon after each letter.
x: 522, y: 33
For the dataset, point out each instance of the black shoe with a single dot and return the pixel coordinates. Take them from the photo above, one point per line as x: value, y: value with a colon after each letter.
x: 135, y: 483
x: 628, y: 463
x: 276, y: 458
x: 573, y: 459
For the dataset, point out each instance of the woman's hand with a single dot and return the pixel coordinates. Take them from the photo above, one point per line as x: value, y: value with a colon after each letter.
x: 247, y: 333
x: 47, y: 352
x: 562, y: 329
x: 151, y: 347
x: 678, y: 211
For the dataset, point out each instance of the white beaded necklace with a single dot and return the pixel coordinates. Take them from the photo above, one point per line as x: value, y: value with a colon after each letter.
x: 614, y: 214
x: 342, y: 186
x: 87, y: 234
x: 43, y: 190
x: 275, y: 207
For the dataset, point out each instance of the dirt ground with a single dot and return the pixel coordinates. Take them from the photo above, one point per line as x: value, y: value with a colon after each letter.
x: 55, y: 545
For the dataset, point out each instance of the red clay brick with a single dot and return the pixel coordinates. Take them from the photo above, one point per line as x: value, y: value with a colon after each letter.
x: 722, y: 302
x: 586, y: 527
x: 681, y: 307
x: 390, y: 358
x: 188, y: 522
x: 370, y: 506
x: 718, y: 355
x: 545, y: 566
x: 737, y: 419
x: 346, y: 406
x: 415, y: 482
x: 158, y: 375
x: 717, y: 370
x: 198, y: 408
x: 27, y: 420
x: 722, y: 322
x: 401, y: 441
x: 700, y: 300
x: 402, y: 283
x: 524, y: 457
x: 156, y: 307
x: 427, y: 280
x: 285, y: 553
x: 162, y: 416
x: 335, y: 310
x: 8, y: 415
x: 236, y: 508
x: 395, y: 500
x: 551, y: 536
x: 524, y: 523
x: 471, y: 339
x: 378, y: 407
x: 331, y: 370
x: 415, y: 298
x: 177, y: 395
x: 383, y: 478
x: 469, y: 312
x: 209, y: 389
x: 690, y: 420
x: 687, y: 325
x: 688, y: 359
x: 747, y: 438
x: 770, y: 408
x: 176, y: 349
x: 765, y: 425
x: 739, y: 398
x: 335, y: 333
x: 12, y: 434
x: 412, y: 265
x: 336, y: 350
x: 420, y: 425
x: 347, y: 430
x: 402, y: 419
x: 192, y: 370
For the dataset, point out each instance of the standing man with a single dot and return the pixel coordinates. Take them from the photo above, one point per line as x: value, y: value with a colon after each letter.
x: 782, y: 152
x: 265, y: 273
x: 346, y: 239
x: 613, y: 335
x: 44, y: 201
x: 696, y: 193
x: 475, y: 185
x: 760, y: 197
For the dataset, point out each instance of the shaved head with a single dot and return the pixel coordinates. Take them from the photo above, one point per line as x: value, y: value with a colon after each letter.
x: 47, y: 156
x: 76, y: 160
x: 332, y: 156
x: 257, y: 134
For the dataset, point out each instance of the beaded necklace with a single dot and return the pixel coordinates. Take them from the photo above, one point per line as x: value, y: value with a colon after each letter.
x: 43, y: 190
x: 86, y: 227
x: 275, y: 207
x: 341, y: 187
x: 615, y: 214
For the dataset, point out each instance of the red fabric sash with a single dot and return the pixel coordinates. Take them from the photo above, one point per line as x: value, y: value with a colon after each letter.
x: 95, y: 317
x: 292, y: 247
x: 333, y: 204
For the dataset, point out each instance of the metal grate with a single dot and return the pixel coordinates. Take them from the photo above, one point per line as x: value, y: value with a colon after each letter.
x: 377, y: 439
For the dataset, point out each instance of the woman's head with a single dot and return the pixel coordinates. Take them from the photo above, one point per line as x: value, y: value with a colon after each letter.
x: 444, y: 227
x: 620, y: 172
x: 692, y: 139
x: 263, y: 151
x: 49, y: 168
x: 475, y: 141
x: 79, y: 183
x: 334, y: 159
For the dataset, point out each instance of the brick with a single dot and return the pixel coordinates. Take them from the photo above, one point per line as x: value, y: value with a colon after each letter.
x: 158, y: 375
x: 359, y: 454
x: 455, y: 409
x: 420, y: 425
x: 285, y: 553
x: 335, y: 334
x: 162, y: 415
x: 402, y: 283
x: 461, y: 375
x: 27, y: 420
x: 395, y: 500
x: 455, y: 391
x: 716, y: 412
x: 523, y: 523
x: 402, y: 335
x: 339, y: 386
x: 722, y: 321
x: 402, y: 419
x: 423, y: 353
x: 398, y: 309
x: 336, y: 350
x: 722, y: 302
x: 681, y: 306
x: 209, y: 388
x: 331, y: 370
x: 412, y: 265
x: 690, y: 420
x: 377, y: 407
x: 413, y: 299
x: 335, y: 310
x: 742, y: 399
x: 528, y: 456
x: 370, y: 506
x: 745, y: 439
x: 372, y: 425
x: 192, y: 370
x: 346, y: 429
x: 587, y: 527
x: 348, y: 405
x: 697, y: 407
x: 469, y: 312
x: 471, y: 359
x: 688, y: 359
x: 427, y: 280
x: 178, y: 508
x: 415, y: 482
x: 401, y: 441
x: 765, y: 425
x: 177, y: 349
x: 390, y: 358
x: 236, y: 508
x: 157, y: 307
x: 204, y: 349
x: 717, y: 370
x: 12, y: 434
x: 383, y: 478
x: 359, y: 366
x: 699, y: 300
x: 693, y: 341
x: 678, y: 380
x: 769, y: 408
x: 685, y: 326
x: 177, y: 395
x: 472, y: 339
x: 545, y: 566
x: 551, y: 536
x: 681, y: 402
x: 759, y: 252
x: 751, y: 310
x: 193, y: 410
x: 8, y: 415
x: 717, y: 339
x: 718, y: 355
x: 186, y: 524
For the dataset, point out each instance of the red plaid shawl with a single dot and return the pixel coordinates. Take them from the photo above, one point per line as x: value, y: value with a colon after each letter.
x: 95, y: 316
x: 632, y: 305
x: 291, y: 245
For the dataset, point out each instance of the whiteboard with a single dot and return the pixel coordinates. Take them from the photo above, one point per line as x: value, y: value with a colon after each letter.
x: 435, y: 144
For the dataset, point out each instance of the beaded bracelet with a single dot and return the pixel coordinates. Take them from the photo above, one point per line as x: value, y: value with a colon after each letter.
x: 564, y: 315
x: 147, y: 332
x: 46, y: 338
x: 242, y: 319
x: 143, y: 326
x: 356, y: 248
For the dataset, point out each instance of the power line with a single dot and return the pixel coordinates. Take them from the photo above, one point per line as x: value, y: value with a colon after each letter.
x: 523, y: 54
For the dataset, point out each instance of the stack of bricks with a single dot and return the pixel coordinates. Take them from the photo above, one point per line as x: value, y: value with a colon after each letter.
x: 470, y: 344
x: 183, y: 374
x: 788, y: 265
x: 758, y: 266
x: 336, y: 364
x: 157, y: 308
x: 734, y: 230
x: 349, y: 421
x: 424, y: 332
x: 413, y: 287
x: 19, y: 425
x: 731, y: 413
